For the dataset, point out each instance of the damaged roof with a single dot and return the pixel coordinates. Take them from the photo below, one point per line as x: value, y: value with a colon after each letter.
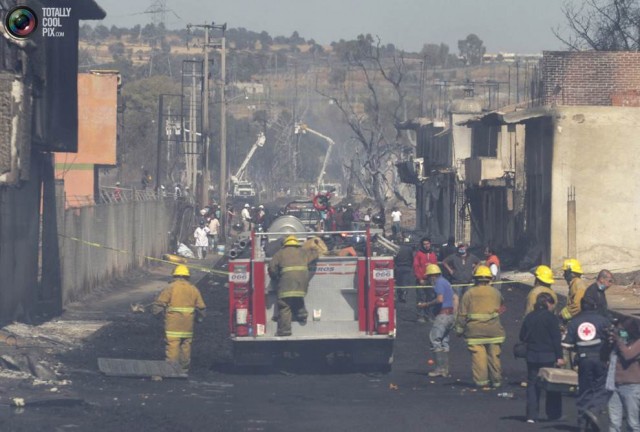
x: 501, y: 118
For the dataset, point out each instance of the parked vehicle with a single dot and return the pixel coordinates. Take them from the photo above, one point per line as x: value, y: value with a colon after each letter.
x: 350, y: 302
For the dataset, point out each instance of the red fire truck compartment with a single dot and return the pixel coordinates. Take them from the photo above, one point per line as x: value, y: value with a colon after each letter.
x: 350, y: 302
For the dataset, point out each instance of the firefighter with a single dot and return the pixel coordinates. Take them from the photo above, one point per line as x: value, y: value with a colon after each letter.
x: 577, y: 287
x: 181, y: 303
x: 544, y: 280
x: 587, y: 335
x: 289, y: 267
x: 479, y: 322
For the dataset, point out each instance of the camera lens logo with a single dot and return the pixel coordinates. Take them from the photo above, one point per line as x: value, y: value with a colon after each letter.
x: 21, y: 22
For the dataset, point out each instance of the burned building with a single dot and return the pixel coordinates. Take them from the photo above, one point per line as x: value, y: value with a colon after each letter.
x: 555, y: 178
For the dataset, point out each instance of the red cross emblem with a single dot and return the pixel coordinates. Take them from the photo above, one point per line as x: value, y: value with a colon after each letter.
x: 586, y: 331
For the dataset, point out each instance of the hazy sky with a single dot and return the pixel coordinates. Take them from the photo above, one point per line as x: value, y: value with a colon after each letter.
x: 522, y: 26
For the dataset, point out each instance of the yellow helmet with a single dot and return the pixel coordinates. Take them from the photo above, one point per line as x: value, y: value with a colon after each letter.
x: 545, y: 274
x: 291, y: 241
x: 181, y: 270
x: 432, y: 269
x: 483, y: 272
x: 572, y: 265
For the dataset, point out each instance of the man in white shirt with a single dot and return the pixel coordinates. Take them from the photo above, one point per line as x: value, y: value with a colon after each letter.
x: 395, y: 220
x: 214, y: 228
x: 202, y: 241
x: 246, y: 218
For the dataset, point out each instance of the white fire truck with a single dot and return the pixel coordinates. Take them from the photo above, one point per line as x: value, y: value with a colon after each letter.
x: 350, y: 302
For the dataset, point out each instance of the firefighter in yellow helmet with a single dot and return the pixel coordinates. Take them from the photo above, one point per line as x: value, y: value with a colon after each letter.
x: 543, y: 282
x: 181, y: 303
x: 289, y: 268
x: 479, y: 322
x: 572, y: 272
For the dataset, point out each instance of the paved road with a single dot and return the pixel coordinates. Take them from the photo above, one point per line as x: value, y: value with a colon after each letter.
x: 288, y: 398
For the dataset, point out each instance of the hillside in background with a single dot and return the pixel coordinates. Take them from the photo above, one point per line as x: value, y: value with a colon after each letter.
x: 273, y: 82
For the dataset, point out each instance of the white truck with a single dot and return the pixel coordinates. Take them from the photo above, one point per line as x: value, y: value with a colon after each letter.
x: 243, y: 188
x: 350, y: 302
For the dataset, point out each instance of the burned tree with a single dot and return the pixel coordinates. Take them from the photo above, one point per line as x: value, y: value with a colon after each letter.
x: 372, y: 100
x: 601, y: 25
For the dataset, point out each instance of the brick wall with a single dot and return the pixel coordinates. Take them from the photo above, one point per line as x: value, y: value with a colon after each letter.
x: 589, y: 77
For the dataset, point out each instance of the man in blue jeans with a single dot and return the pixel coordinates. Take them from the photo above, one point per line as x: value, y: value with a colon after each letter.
x: 445, y: 303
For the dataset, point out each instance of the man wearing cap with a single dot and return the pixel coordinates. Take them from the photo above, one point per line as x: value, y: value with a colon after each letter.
x: 479, y: 323
x: 544, y: 280
x: 289, y: 268
x: 245, y: 214
x: 445, y: 305
x: 181, y: 303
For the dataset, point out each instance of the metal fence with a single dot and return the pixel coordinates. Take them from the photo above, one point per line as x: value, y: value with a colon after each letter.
x: 99, y: 243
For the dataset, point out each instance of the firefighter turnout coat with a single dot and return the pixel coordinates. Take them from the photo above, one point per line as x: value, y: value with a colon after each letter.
x: 577, y: 288
x: 290, y: 268
x: 533, y: 296
x: 479, y: 316
x: 180, y: 301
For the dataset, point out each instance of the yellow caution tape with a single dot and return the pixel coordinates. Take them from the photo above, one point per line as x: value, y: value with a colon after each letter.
x: 191, y: 266
x: 453, y: 285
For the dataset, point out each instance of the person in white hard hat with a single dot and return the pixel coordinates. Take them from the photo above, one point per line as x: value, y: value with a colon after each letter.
x: 245, y: 214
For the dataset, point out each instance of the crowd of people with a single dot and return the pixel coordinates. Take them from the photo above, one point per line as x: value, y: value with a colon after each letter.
x: 457, y: 293
x: 460, y: 296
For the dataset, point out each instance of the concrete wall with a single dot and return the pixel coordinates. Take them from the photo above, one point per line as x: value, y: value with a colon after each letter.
x: 135, y: 228
x: 588, y: 77
x: 461, y: 141
x: 595, y: 150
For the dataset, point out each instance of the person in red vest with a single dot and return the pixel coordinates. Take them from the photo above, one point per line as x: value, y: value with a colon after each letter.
x: 423, y: 257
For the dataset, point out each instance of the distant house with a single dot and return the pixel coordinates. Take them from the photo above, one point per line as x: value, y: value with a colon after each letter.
x: 250, y: 88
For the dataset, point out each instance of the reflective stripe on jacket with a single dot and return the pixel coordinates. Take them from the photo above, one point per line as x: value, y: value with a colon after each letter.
x: 478, y: 317
x: 577, y: 288
x: 289, y: 267
x: 179, y: 300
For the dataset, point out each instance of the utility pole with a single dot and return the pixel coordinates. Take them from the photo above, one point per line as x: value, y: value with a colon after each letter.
x: 206, y: 135
x: 221, y: 44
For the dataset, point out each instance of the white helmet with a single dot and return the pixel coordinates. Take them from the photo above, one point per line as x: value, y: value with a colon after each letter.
x: 246, y: 205
x: 260, y: 206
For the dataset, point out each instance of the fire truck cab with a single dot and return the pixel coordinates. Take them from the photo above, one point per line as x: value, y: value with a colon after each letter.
x: 350, y: 301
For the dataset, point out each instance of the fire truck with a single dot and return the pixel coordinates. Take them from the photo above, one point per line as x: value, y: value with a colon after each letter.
x: 350, y: 302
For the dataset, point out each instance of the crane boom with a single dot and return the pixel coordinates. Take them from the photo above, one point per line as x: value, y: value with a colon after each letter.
x: 303, y: 128
x: 241, y: 171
